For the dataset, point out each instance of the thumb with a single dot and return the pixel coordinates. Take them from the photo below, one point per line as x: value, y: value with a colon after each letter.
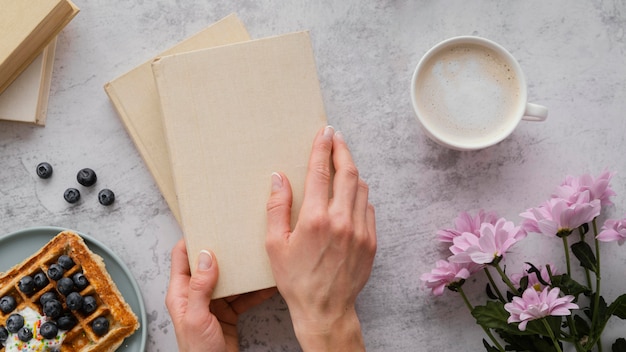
x: 279, y: 207
x: 202, y: 283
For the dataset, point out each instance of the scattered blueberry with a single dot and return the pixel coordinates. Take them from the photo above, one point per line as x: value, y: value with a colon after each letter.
x: 48, y: 330
x: 74, y: 301
x: 4, y: 334
x: 66, y: 322
x: 7, y: 304
x: 65, y: 286
x: 86, y: 177
x: 89, y: 304
x: 14, y: 323
x: 80, y: 281
x: 41, y: 280
x: 25, y: 334
x: 48, y: 296
x: 100, y: 326
x: 65, y: 261
x: 55, y: 272
x: 52, y: 309
x: 106, y: 197
x: 27, y: 285
x: 44, y: 170
x: 71, y: 195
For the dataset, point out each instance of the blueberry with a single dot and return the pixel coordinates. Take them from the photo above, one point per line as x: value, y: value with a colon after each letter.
x: 48, y: 296
x: 48, y: 330
x: 52, y: 309
x: 4, y: 334
x: 65, y: 286
x: 86, y: 177
x: 14, y: 323
x: 71, y: 195
x: 106, y: 197
x: 66, y: 322
x: 41, y: 280
x: 80, y: 281
x: 74, y: 301
x: 89, y: 304
x: 44, y: 170
x: 7, y: 304
x: 100, y: 326
x: 55, y: 272
x: 65, y: 261
x: 25, y: 334
x: 27, y: 285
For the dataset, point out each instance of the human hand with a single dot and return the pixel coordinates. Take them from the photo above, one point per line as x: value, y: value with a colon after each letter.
x: 322, y: 265
x: 199, y: 323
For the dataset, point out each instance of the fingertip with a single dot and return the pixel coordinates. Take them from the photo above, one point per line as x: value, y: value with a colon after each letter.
x: 277, y: 182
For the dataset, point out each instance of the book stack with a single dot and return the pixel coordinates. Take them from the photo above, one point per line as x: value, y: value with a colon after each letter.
x: 213, y: 117
x: 29, y: 30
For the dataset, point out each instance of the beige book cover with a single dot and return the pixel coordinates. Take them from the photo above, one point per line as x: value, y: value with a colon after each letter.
x: 26, y: 99
x: 232, y: 116
x: 135, y: 98
x: 26, y: 28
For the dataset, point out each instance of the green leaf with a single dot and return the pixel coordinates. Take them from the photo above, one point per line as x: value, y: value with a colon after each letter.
x: 492, y: 315
x: 619, y: 345
x: 582, y: 327
x: 528, y: 343
x: 582, y: 250
x: 569, y: 286
x: 489, y: 347
x: 618, y: 307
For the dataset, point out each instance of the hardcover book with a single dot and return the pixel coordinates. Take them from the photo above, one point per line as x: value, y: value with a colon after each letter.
x: 26, y: 99
x: 233, y: 115
x: 135, y: 98
x: 26, y: 28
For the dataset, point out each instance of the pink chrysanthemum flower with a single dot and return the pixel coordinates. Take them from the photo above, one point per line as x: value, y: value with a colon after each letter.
x: 558, y: 216
x: 492, y: 243
x: 536, y: 305
x: 446, y: 273
x: 613, y: 230
x: 466, y: 223
x: 533, y: 280
x: 598, y: 188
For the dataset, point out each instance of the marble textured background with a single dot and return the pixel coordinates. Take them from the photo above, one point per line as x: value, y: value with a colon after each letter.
x: 573, y: 55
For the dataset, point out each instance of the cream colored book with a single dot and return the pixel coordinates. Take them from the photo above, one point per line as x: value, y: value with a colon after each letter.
x: 26, y: 28
x: 232, y: 116
x: 26, y: 99
x: 136, y: 101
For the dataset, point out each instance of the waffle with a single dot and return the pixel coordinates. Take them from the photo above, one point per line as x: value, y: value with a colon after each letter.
x: 110, y: 303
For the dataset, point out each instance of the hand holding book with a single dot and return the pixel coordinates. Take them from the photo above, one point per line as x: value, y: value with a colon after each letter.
x: 319, y: 267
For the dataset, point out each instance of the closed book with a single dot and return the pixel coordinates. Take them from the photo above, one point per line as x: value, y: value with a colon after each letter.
x: 233, y: 115
x: 136, y: 100
x: 26, y: 99
x: 26, y: 28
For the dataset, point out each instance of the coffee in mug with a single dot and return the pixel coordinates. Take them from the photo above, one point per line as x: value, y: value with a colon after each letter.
x: 469, y: 93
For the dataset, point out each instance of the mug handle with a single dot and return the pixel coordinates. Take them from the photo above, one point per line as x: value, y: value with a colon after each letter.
x: 535, y: 112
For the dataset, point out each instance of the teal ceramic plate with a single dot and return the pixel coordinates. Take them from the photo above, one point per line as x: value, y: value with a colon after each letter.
x: 17, y: 246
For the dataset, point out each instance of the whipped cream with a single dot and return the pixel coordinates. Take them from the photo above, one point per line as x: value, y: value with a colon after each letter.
x: 38, y: 343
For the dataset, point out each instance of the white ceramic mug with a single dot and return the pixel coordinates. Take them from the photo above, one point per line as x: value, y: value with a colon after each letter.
x: 470, y: 93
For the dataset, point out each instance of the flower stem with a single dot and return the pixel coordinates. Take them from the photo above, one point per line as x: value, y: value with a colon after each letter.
x: 493, y: 284
x: 567, y: 258
x: 487, y: 331
x: 506, y: 279
x: 554, y: 340
x: 596, y: 302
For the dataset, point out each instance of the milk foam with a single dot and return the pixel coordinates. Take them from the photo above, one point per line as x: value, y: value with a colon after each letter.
x: 468, y: 93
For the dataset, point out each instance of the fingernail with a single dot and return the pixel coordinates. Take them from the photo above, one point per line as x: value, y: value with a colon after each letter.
x: 339, y: 136
x: 329, y: 131
x: 277, y: 182
x: 205, y: 260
